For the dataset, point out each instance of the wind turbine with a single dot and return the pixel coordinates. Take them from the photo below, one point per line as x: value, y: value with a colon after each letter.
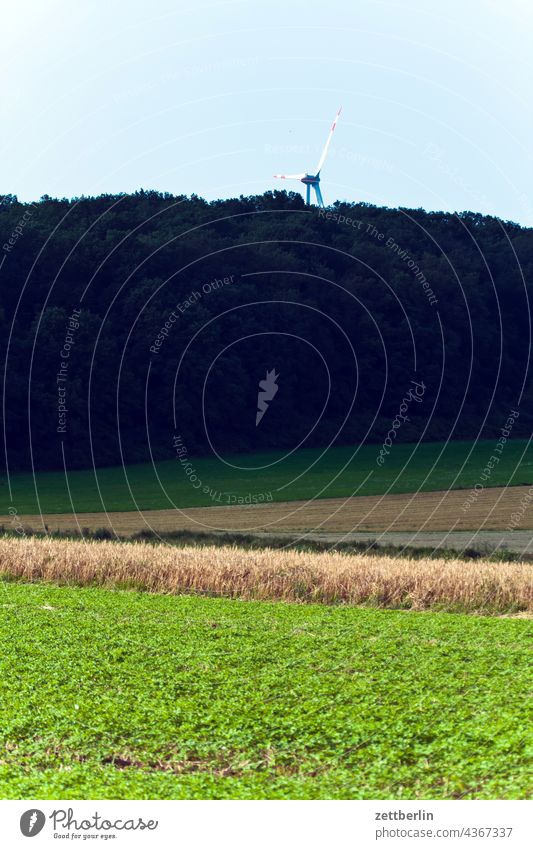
x: 313, y: 180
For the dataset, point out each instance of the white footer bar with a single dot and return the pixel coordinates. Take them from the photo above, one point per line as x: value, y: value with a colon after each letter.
x: 258, y: 824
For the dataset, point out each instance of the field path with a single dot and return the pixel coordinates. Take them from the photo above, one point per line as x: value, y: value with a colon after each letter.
x: 486, y: 542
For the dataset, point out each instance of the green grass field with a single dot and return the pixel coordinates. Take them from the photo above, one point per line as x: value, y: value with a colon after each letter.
x: 115, y: 694
x: 429, y: 466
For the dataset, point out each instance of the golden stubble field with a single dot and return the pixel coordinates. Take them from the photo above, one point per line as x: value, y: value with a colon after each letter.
x: 492, y: 509
x: 479, y: 586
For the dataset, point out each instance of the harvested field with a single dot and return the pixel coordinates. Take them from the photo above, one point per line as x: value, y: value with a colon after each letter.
x: 332, y: 577
x: 491, y: 510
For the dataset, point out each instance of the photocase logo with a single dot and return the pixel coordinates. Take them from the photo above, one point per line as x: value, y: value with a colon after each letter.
x: 64, y: 824
x: 267, y: 389
x: 32, y: 822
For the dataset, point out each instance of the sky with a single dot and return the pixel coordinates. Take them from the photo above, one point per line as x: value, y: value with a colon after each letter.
x: 214, y: 98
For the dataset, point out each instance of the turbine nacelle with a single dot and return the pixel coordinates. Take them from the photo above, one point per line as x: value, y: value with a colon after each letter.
x: 313, y: 180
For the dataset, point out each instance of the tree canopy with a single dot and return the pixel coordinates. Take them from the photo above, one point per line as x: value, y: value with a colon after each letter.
x: 127, y: 320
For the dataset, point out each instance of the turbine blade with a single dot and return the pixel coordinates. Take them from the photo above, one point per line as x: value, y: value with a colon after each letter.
x: 289, y: 176
x: 325, y: 151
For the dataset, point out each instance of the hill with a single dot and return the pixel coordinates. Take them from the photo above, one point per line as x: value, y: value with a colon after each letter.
x: 131, y: 325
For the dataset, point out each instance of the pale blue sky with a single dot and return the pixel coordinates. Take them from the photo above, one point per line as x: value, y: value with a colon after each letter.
x: 214, y: 98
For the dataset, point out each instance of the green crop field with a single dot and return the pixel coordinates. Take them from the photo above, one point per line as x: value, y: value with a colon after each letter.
x: 117, y: 694
x: 306, y: 474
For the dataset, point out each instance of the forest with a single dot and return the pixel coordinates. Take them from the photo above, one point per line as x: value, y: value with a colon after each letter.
x: 129, y: 321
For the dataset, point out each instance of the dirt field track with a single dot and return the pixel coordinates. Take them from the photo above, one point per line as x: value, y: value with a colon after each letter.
x: 406, y: 517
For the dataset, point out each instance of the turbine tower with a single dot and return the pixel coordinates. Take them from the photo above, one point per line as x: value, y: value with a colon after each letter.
x: 313, y: 180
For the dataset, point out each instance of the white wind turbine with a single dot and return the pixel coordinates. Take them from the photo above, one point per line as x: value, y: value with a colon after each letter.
x: 313, y: 180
